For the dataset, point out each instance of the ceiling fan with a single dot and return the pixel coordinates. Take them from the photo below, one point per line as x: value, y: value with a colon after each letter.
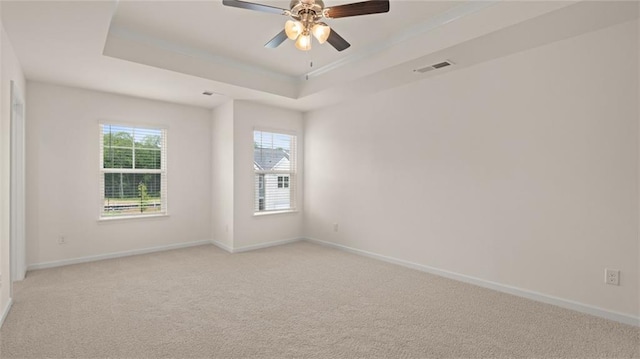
x: 306, y: 18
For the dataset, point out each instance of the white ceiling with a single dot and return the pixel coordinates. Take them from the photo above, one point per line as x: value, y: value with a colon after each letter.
x: 240, y: 34
x: 174, y: 50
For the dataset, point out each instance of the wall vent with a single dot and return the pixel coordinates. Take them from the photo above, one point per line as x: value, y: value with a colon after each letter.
x: 439, y: 65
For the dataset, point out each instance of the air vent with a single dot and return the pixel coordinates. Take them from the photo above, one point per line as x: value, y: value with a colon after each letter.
x: 442, y: 64
x: 424, y: 69
x: 207, y: 93
x: 434, y: 67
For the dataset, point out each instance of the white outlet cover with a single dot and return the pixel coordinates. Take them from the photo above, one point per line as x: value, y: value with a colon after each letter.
x: 612, y: 276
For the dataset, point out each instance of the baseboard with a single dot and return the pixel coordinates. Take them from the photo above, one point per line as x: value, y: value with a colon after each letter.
x: 98, y: 257
x: 253, y: 247
x: 222, y: 246
x: 5, y: 312
x: 560, y: 302
x: 65, y: 262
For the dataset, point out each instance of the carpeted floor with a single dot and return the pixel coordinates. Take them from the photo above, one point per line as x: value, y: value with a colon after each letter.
x: 299, y: 300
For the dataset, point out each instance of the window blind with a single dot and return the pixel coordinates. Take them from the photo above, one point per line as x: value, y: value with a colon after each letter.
x: 274, y: 163
x: 133, y: 171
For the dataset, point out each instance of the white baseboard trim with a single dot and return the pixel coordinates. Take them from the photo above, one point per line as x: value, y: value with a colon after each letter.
x: 253, y: 247
x: 222, y: 246
x: 98, y: 257
x: 560, y: 302
x: 5, y: 312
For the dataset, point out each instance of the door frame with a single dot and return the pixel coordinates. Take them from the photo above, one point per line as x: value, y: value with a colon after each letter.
x: 17, y: 201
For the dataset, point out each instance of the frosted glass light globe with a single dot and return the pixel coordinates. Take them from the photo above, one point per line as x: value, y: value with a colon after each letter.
x: 293, y: 29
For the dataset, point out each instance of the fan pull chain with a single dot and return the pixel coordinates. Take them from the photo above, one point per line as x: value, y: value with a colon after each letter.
x: 310, y: 66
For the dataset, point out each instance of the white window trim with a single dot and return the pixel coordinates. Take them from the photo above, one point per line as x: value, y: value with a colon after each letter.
x: 133, y: 216
x: 163, y: 172
x: 276, y: 211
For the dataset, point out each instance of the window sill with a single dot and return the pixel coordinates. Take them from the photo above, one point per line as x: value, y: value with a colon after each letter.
x: 268, y: 213
x: 121, y: 218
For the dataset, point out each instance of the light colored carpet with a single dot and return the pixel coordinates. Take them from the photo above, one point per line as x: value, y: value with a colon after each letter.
x: 299, y: 300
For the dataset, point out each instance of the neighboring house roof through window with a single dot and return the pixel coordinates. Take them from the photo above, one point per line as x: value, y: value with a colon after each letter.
x: 268, y: 158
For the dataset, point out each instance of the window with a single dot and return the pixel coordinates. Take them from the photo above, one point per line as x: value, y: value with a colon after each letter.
x: 133, y: 171
x: 274, y: 165
x: 283, y: 181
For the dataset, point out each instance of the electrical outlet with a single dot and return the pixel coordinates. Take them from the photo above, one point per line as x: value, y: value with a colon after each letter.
x: 335, y: 227
x: 612, y: 276
x: 62, y: 240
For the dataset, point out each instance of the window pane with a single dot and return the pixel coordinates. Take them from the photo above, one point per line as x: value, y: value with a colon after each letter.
x: 117, y: 146
x: 120, y: 144
x: 148, y: 158
x: 274, y: 195
x: 131, y: 193
x: 148, y: 138
x: 118, y: 158
x: 117, y: 136
x: 272, y: 151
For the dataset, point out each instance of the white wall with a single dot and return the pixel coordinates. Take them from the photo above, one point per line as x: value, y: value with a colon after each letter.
x: 222, y: 174
x: 522, y: 170
x: 10, y: 71
x: 63, y: 179
x: 3, y: 177
x: 252, y: 230
x: 638, y: 146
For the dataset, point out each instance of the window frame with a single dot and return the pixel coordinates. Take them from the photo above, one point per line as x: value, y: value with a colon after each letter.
x: 102, y: 214
x: 291, y: 174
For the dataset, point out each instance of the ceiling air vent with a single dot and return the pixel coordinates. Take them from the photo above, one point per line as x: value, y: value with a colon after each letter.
x: 434, y: 67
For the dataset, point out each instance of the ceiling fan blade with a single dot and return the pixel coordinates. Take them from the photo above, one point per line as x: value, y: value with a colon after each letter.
x: 256, y: 7
x: 337, y: 41
x: 358, y: 8
x: 277, y: 40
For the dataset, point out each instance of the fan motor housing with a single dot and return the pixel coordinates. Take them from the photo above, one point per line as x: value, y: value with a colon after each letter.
x: 301, y: 7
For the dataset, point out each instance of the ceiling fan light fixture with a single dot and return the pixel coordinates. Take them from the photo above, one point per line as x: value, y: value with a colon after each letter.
x: 293, y: 29
x: 304, y: 42
x: 305, y: 20
x: 321, y: 32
